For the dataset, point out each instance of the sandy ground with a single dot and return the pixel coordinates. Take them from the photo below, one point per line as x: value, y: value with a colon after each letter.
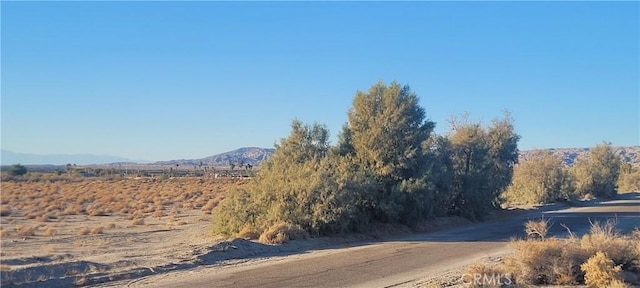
x: 121, y: 250
x: 115, y: 251
x: 124, y: 253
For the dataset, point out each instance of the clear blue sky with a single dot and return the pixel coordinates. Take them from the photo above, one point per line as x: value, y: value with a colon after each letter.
x: 168, y: 80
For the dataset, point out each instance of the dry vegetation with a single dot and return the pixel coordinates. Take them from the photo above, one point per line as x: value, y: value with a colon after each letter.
x: 51, y: 201
x: 601, y: 258
x: 97, y: 220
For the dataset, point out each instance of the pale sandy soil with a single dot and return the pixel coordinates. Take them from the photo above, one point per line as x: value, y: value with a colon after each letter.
x: 126, y: 253
x: 122, y: 250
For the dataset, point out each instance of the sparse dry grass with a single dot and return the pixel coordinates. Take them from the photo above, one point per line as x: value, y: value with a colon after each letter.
x: 26, y: 230
x: 51, y: 201
x: 138, y: 221
x: 604, y: 238
x: 97, y: 230
x: 83, y: 231
x: 5, y: 233
x: 49, y: 231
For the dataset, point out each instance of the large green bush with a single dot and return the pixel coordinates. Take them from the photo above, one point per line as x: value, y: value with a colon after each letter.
x: 387, y: 167
x: 597, y: 173
x: 541, y: 179
x: 483, y: 160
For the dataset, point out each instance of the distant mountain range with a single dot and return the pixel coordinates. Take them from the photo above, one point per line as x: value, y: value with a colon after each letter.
x: 629, y: 154
x: 248, y: 155
x: 255, y: 155
x: 9, y: 158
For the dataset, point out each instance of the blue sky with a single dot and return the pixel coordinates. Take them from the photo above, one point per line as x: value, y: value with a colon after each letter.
x: 168, y: 80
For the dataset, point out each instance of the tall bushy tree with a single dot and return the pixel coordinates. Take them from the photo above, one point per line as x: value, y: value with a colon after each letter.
x: 440, y: 173
x: 483, y: 160
x: 386, y: 167
x: 386, y: 134
x: 541, y: 179
x: 300, y: 185
x: 597, y: 173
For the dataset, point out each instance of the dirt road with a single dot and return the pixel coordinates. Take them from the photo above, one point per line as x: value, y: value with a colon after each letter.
x: 398, y: 262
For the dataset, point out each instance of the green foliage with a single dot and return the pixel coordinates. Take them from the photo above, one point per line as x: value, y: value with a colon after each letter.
x: 386, y: 135
x: 17, y: 170
x: 597, y: 174
x: 386, y: 167
x: 483, y: 160
x: 541, y: 179
x: 299, y: 185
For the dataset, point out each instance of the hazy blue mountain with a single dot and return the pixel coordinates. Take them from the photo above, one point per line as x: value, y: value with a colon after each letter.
x: 9, y: 158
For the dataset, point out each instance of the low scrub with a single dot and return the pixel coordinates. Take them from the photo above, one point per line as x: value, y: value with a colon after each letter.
x: 249, y: 233
x: 604, y: 238
x: 537, y: 229
x: 541, y: 179
x: 596, y: 259
x: 601, y: 271
x: 629, y: 181
x: 283, y: 232
x: 549, y: 261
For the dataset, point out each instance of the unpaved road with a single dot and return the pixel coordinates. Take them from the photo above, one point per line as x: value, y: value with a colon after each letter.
x: 398, y: 262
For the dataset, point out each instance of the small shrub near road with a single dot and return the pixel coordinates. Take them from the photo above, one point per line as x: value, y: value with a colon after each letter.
x: 283, y: 232
x: 601, y: 271
x: 600, y: 258
x: 537, y: 228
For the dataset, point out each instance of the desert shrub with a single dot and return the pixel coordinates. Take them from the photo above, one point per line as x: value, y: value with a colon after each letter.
x: 26, y: 230
x: 249, y: 233
x: 538, y: 228
x: 540, y: 179
x: 597, y: 173
x: 17, y: 170
x: 283, y: 232
x: 97, y: 230
x: 300, y: 185
x: 629, y: 180
x: 482, y: 161
x: 600, y: 271
x: 553, y: 261
x: 604, y: 238
x: 550, y: 261
x: 137, y: 221
x: 50, y: 231
x: 83, y: 231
